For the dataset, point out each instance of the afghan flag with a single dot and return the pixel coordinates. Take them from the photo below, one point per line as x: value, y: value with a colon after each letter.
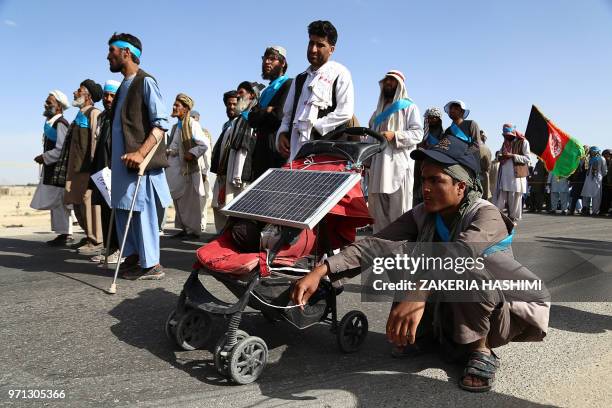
x: 560, y: 152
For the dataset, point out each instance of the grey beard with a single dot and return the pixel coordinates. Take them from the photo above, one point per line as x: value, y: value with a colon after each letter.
x: 49, y: 113
x: 79, y: 102
x: 243, y: 104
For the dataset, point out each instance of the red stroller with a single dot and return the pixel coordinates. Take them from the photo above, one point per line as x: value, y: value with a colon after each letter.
x: 263, y: 280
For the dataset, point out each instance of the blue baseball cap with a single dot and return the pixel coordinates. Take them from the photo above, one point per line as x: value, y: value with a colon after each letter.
x: 451, y: 150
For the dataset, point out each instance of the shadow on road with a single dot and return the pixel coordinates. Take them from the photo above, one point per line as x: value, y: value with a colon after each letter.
x: 578, y: 321
x: 306, y: 365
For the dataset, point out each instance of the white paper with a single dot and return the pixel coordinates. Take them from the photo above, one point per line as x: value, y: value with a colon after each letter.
x: 102, y: 180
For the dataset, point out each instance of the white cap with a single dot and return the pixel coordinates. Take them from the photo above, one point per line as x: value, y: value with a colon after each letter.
x: 466, y: 111
x: 61, y: 98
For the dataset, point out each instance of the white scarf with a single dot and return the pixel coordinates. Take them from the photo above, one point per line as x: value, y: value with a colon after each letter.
x: 321, y: 97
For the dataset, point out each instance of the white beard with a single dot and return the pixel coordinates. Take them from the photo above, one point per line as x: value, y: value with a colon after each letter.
x: 243, y: 104
x: 79, y: 102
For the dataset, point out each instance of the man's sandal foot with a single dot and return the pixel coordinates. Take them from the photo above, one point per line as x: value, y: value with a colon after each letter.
x: 483, y: 367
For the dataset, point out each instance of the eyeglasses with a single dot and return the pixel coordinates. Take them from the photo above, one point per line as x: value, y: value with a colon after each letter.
x: 270, y: 58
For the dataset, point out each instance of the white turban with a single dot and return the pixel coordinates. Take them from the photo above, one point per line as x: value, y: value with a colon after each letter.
x: 61, y: 98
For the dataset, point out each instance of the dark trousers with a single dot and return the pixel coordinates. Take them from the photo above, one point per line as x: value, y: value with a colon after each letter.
x: 536, y: 200
x: 106, y: 224
x: 606, y: 197
x: 575, y: 196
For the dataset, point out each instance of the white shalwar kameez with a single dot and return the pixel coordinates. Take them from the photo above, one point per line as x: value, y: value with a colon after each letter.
x: 391, y: 174
x: 187, y: 190
x: 559, y: 192
x: 510, y: 189
x: 593, y: 184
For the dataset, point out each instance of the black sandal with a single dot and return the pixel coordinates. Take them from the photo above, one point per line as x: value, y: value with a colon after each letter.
x: 483, y: 367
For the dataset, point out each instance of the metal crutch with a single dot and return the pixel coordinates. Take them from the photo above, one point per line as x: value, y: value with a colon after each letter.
x: 141, y: 169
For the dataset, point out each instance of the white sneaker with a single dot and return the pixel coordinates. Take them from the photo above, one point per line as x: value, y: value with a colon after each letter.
x: 98, y: 258
x: 112, y: 258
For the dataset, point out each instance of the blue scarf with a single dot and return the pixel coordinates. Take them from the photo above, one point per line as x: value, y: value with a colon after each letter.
x: 500, y: 246
x: 81, y: 120
x: 271, y: 90
x: 457, y: 132
x: 442, y: 229
x: 431, y: 139
x: 395, y: 107
x: 50, y: 132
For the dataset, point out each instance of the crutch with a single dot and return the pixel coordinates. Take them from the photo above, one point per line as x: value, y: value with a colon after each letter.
x: 141, y: 169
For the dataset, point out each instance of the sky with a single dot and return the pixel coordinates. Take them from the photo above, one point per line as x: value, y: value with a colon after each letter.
x: 500, y: 57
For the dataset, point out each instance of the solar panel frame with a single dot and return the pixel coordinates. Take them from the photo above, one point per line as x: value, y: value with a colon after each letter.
x: 322, y: 203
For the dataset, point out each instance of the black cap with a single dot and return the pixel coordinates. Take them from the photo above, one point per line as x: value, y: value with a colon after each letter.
x: 95, y: 89
x: 252, y: 87
x: 451, y: 150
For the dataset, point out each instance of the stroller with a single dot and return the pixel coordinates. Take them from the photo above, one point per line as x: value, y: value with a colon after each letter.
x: 263, y: 280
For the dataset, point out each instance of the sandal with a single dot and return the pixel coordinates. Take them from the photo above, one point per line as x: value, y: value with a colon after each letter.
x: 483, y: 367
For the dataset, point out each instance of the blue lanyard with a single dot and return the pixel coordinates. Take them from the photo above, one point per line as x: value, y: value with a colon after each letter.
x: 395, y: 107
x: 459, y: 133
x: 270, y: 91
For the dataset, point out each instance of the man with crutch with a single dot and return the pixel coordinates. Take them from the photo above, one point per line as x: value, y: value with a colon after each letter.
x: 139, y: 121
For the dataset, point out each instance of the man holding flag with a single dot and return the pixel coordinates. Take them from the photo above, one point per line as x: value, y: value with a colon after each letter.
x: 398, y: 119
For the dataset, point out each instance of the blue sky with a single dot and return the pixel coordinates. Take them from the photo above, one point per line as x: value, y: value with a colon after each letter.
x: 497, y: 56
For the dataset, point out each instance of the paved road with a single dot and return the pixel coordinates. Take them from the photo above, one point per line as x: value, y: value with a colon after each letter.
x: 60, y: 330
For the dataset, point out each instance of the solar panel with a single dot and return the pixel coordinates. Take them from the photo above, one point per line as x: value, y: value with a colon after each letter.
x: 297, y: 198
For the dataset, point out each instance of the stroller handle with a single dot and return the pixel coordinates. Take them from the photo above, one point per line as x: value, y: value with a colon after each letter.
x: 356, y: 131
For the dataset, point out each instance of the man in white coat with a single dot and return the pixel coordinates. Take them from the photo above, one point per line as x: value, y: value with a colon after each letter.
x: 391, y: 174
x: 184, y: 173
x: 49, y: 196
x: 320, y: 99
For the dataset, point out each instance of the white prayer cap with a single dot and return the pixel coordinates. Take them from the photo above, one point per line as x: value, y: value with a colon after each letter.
x: 111, y: 86
x: 280, y: 50
x: 61, y: 98
x: 466, y: 111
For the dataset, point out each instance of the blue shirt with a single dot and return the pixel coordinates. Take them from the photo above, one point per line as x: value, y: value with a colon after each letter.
x: 123, y: 182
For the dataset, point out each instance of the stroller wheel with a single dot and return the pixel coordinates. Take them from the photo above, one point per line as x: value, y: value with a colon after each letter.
x: 352, y: 331
x: 248, y: 360
x: 193, y: 329
x: 221, y: 360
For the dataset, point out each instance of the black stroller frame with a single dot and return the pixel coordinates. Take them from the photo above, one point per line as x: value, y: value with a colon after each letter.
x: 237, y: 355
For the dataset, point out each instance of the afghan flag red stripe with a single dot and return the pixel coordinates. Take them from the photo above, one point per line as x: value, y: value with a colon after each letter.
x: 559, y: 151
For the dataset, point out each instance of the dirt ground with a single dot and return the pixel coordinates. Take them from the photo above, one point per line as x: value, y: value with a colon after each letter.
x: 16, y: 213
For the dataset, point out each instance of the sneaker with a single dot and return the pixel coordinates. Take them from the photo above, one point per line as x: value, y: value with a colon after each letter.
x: 61, y: 240
x: 97, y: 258
x: 112, y: 258
x: 153, y: 273
x: 90, y: 249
